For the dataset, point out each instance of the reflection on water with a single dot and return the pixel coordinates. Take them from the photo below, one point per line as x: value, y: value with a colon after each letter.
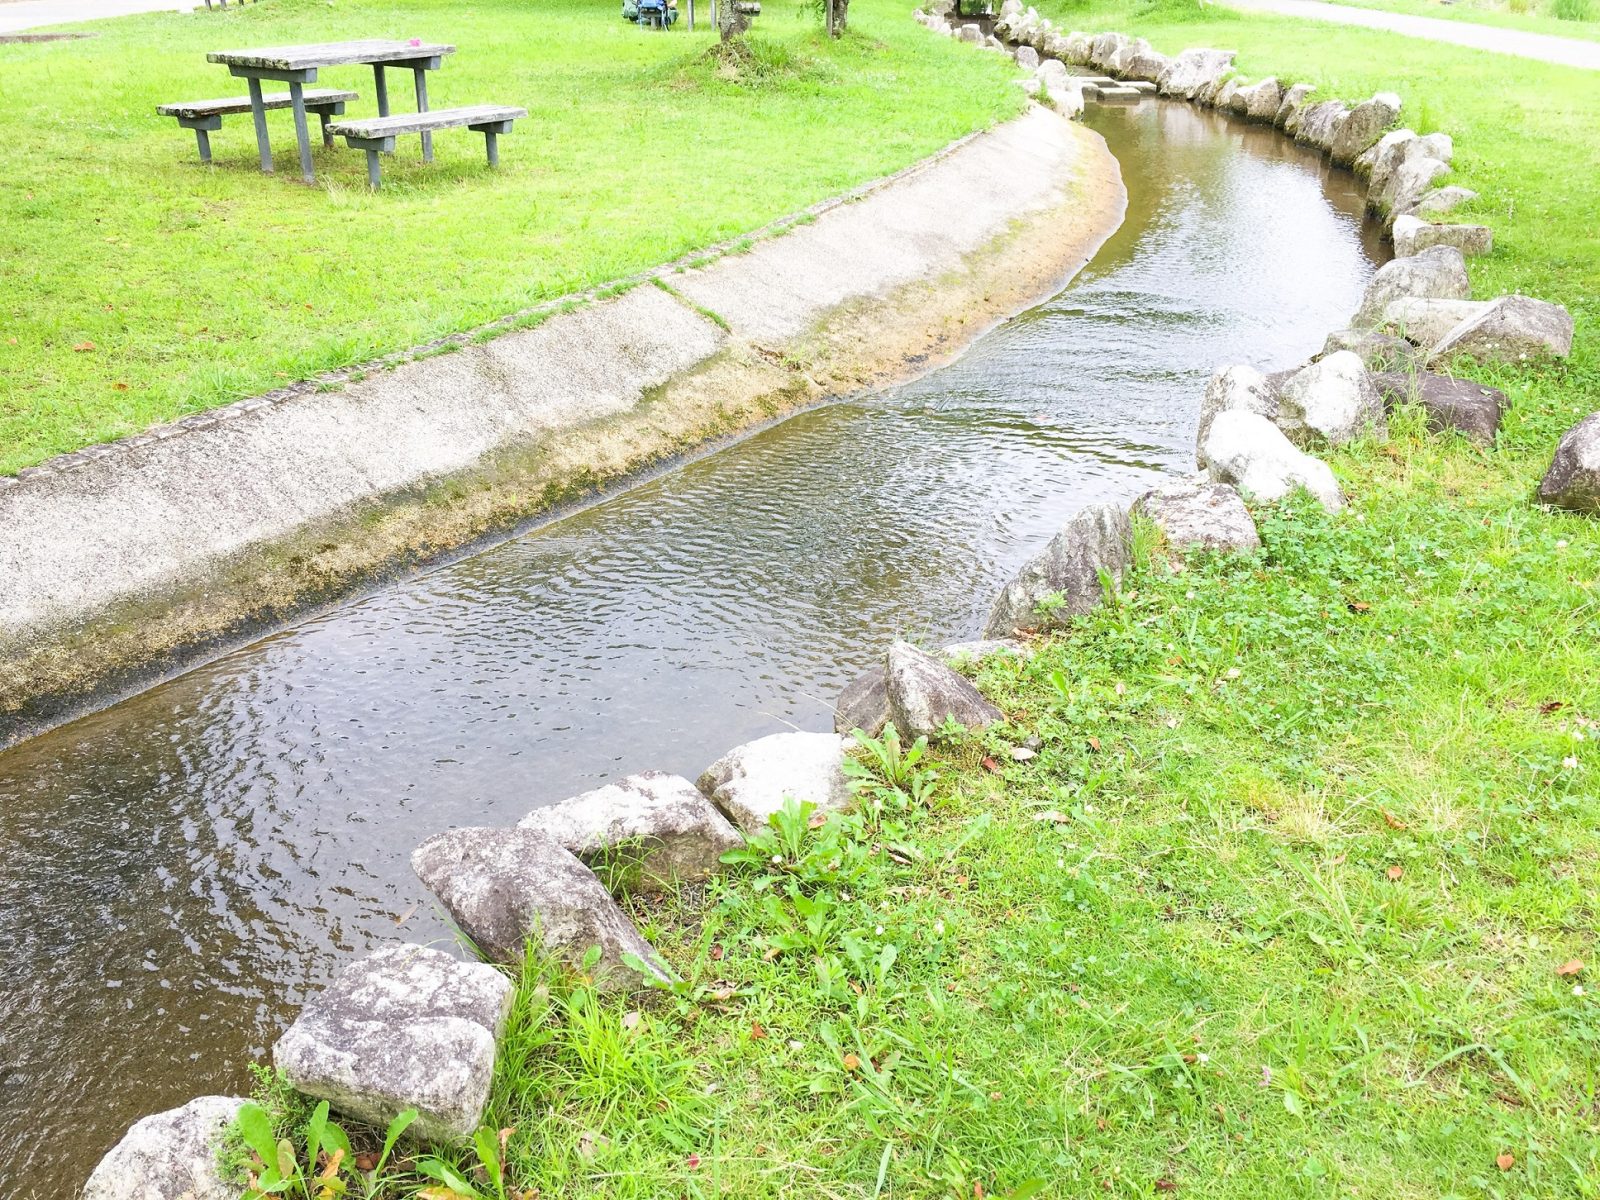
x: 177, y: 871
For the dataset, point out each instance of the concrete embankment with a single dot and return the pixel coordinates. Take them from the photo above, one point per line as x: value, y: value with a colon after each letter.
x: 128, y: 562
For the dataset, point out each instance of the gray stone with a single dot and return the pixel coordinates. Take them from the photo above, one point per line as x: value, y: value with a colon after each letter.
x: 1055, y: 45
x: 1104, y: 46
x: 169, y: 1155
x: 1068, y: 101
x: 924, y: 694
x: 1066, y: 572
x: 405, y: 1027
x: 644, y: 832
x: 1511, y: 328
x: 1573, y: 480
x: 1363, y: 127
x: 1470, y: 408
x: 1320, y: 123
x: 1333, y: 400
x: 1442, y: 201
x: 505, y: 886
x: 1237, y: 387
x: 1294, y: 99
x: 1386, y: 155
x: 1250, y: 452
x: 1027, y: 57
x: 1188, y: 72
x: 1191, y: 513
x: 1438, y: 272
x: 1425, y: 321
x: 1052, y: 74
x: 1259, y: 101
x: 971, y: 34
x: 1117, y: 64
x: 1412, y: 234
x: 1145, y: 65
x: 1379, y: 351
x: 1079, y: 47
x: 1411, y: 183
x: 752, y: 781
x: 1225, y: 95
x: 863, y: 705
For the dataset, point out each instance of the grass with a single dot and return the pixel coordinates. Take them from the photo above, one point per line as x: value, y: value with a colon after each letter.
x: 140, y: 286
x: 1287, y: 902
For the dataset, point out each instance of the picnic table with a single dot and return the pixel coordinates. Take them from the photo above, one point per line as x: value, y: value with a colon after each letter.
x: 298, y: 66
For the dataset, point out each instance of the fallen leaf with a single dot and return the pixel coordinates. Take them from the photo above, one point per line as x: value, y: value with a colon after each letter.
x: 1166, y: 1185
x: 1571, y: 967
x: 1094, y: 743
x: 692, y: 1162
x: 631, y: 1019
x: 716, y: 952
x: 1395, y: 872
x: 1552, y: 706
x: 1506, y: 1161
x: 989, y: 764
x: 818, y: 820
x: 1358, y: 606
x: 81, y: 347
x: 757, y: 1032
x: 851, y: 1062
x: 1060, y: 818
x: 1392, y: 821
x: 119, y: 386
x: 772, y: 952
x: 367, y: 1162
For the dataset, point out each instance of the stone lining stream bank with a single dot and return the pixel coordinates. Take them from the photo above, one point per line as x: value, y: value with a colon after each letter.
x: 126, y: 562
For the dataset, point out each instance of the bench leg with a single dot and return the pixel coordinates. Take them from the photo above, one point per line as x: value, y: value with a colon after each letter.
x: 204, y: 140
x: 259, y: 114
x: 373, y: 179
x: 491, y: 145
x: 327, y: 138
x: 297, y: 101
x: 422, y: 107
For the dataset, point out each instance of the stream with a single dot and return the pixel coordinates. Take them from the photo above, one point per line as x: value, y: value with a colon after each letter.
x: 179, y: 871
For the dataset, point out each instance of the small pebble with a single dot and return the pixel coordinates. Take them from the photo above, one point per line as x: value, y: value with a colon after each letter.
x: 1033, y: 741
x: 1021, y: 753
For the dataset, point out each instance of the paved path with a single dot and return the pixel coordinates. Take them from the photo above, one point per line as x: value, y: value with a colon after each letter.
x: 31, y: 14
x: 1566, y: 52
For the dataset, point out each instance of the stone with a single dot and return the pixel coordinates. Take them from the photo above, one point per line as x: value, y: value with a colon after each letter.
x: 1384, y: 158
x: 1145, y: 65
x: 1117, y: 64
x: 1442, y: 201
x: 863, y: 705
x: 1237, y: 387
x: 1511, y: 328
x: 1333, y: 401
x: 1294, y: 99
x: 1052, y: 74
x: 646, y: 832
x: 1027, y: 57
x: 1079, y: 47
x: 1206, y: 97
x: 1573, y: 480
x: 1191, y: 513
x: 1068, y: 101
x: 1320, y: 123
x: 958, y: 654
x: 993, y: 43
x: 1250, y: 452
x: 1411, y: 183
x: 1106, y: 45
x: 1438, y: 272
x: 169, y: 1155
x: 1380, y: 351
x: 1362, y: 127
x: 1066, y: 572
x: 505, y: 886
x: 1472, y: 409
x: 1426, y: 321
x: 1188, y: 72
x: 1055, y: 45
x: 405, y: 1027
x: 925, y: 695
x: 1225, y: 95
x: 1259, y: 101
x: 751, y: 782
x: 1011, y: 8
x: 1412, y: 234
x: 971, y: 34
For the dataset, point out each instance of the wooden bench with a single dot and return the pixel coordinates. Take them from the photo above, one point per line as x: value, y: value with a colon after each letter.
x: 203, y: 116
x: 375, y: 134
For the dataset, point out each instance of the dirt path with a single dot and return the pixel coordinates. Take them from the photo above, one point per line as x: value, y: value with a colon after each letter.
x: 1564, y: 52
x: 17, y: 15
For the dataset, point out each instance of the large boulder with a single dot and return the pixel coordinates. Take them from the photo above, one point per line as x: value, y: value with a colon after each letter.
x: 1145, y: 64
x: 1333, y: 401
x: 751, y: 782
x: 1442, y: 201
x: 1379, y: 351
x: 1259, y: 101
x: 1223, y: 100
x: 405, y: 1027
x: 1191, y: 513
x: 644, y: 833
x: 1237, y: 387
x: 1027, y: 57
x: 1294, y: 99
x: 504, y: 886
x: 1117, y: 64
x: 1068, y: 100
x: 1250, y: 452
x: 1188, y: 72
x: 970, y: 34
x: 1412, y: 234
x: 1573, y: 480
x: 1066, y: 573
x: 924, y: 694
x: 1320, y: 123
x: 1410, y: 184
x: 1438, y: 272
x: 1426, y: 321
x: 1362, y: 127
x: 864, y: 704
x: 1079, y: 47
x: 1105, y: 46
x: 1510, y: 328
x: 1052, y: 74
x: 1472, y: 409
x: 169, y: 1155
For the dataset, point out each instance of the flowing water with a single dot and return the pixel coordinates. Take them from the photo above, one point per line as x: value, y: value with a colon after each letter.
x: 177, y: 872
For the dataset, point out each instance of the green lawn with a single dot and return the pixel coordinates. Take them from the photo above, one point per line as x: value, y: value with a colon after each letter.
x: 1535, y: 18
x: 188, y: 288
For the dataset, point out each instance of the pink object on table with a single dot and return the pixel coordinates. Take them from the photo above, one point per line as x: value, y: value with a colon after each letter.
x: 415, y: 42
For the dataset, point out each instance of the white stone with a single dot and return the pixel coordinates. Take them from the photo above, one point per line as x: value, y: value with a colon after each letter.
x: 1191, y: 513
x: 1096, y: 539
x: 1333, y: 400
x: 1250, y: 452
x: 1427, y: 321
x: 1236, y: 387
x: 1511, y: 328
x: 1439, y: 272
x: 169, y: 1155
x: 1412, y: 234
x: 751, y: 782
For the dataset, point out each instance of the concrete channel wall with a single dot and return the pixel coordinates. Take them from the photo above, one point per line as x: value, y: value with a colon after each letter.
x: 127, y: 562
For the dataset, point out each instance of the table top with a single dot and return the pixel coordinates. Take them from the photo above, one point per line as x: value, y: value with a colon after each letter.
x: 329, y: 54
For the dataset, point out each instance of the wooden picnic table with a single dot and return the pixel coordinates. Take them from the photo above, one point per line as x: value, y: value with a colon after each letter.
x: 298, y: 66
